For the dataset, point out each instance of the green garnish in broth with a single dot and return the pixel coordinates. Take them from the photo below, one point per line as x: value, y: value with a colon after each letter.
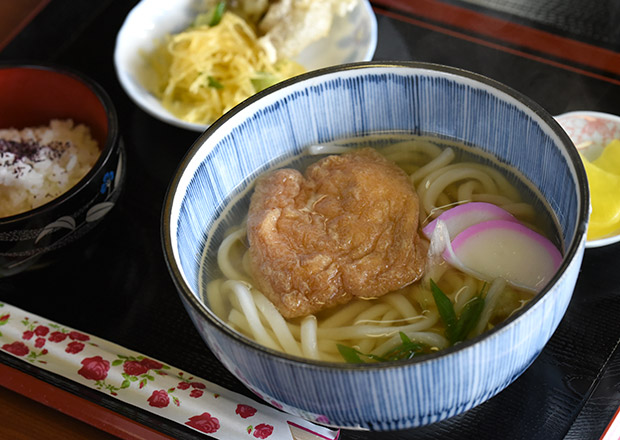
x: 446, y: 311
x: 350, y: 355
x: 469, y: 318
x: 405, y: 350
x: 457, y: 328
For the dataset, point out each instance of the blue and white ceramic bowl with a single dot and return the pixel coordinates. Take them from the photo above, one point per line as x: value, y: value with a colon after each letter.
x: 341, y: 102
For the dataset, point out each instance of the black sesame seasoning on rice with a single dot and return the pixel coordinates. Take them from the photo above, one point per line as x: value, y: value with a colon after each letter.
x: 40, y: 163
x: 32, y: 150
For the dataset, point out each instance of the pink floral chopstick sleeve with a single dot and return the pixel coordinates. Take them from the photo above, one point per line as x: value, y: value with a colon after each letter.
x: 146, y: 383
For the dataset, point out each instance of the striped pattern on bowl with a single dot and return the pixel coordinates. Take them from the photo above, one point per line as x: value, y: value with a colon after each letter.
x: 275, y: 127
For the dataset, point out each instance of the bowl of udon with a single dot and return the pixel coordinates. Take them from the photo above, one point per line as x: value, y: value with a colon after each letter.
x: 378, y: 245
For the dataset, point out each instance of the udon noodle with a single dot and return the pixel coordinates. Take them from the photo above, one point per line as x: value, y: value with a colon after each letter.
x: 374, y: 326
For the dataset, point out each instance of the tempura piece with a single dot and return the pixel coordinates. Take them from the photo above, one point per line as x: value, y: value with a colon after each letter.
x: 291, y: 25
x: 251, y: 10
x: 348, y: 229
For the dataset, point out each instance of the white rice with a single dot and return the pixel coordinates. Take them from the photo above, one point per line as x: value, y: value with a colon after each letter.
x: 37, y: 164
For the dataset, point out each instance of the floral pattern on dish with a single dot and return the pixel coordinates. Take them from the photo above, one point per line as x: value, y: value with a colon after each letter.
x: 590, y: 131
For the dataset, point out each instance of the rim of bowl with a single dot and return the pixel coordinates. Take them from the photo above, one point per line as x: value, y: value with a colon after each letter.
x: 136, y: 90
x: 612, y: 239
x: 207, y: 314
x: 112, y: 138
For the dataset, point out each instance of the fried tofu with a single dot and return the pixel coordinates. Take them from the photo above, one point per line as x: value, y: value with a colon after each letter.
x: 347, y: 229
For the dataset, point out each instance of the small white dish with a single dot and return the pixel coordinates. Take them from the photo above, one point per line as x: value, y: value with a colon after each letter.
x: 591, y: 132
x: 352, y: 38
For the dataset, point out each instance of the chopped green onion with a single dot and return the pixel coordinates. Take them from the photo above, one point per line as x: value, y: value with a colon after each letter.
x: 350, y: 355
x: 406, y: 350
x: 218, y: 13
x: 469, y: 317
x: 215, y: 83
x: 446, y: 311
x: 262, y: 80
x: 457, y: 329
x: 201, y: 20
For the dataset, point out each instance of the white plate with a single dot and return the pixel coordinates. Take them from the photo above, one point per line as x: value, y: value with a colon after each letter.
x: 591, y: 132
x: 352, y: 38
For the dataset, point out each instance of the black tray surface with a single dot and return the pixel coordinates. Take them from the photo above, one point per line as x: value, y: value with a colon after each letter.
x: 117, y: 286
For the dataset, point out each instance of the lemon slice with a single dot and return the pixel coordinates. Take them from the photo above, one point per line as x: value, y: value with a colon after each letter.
x: 604, y: 182
x: 609, y: 160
